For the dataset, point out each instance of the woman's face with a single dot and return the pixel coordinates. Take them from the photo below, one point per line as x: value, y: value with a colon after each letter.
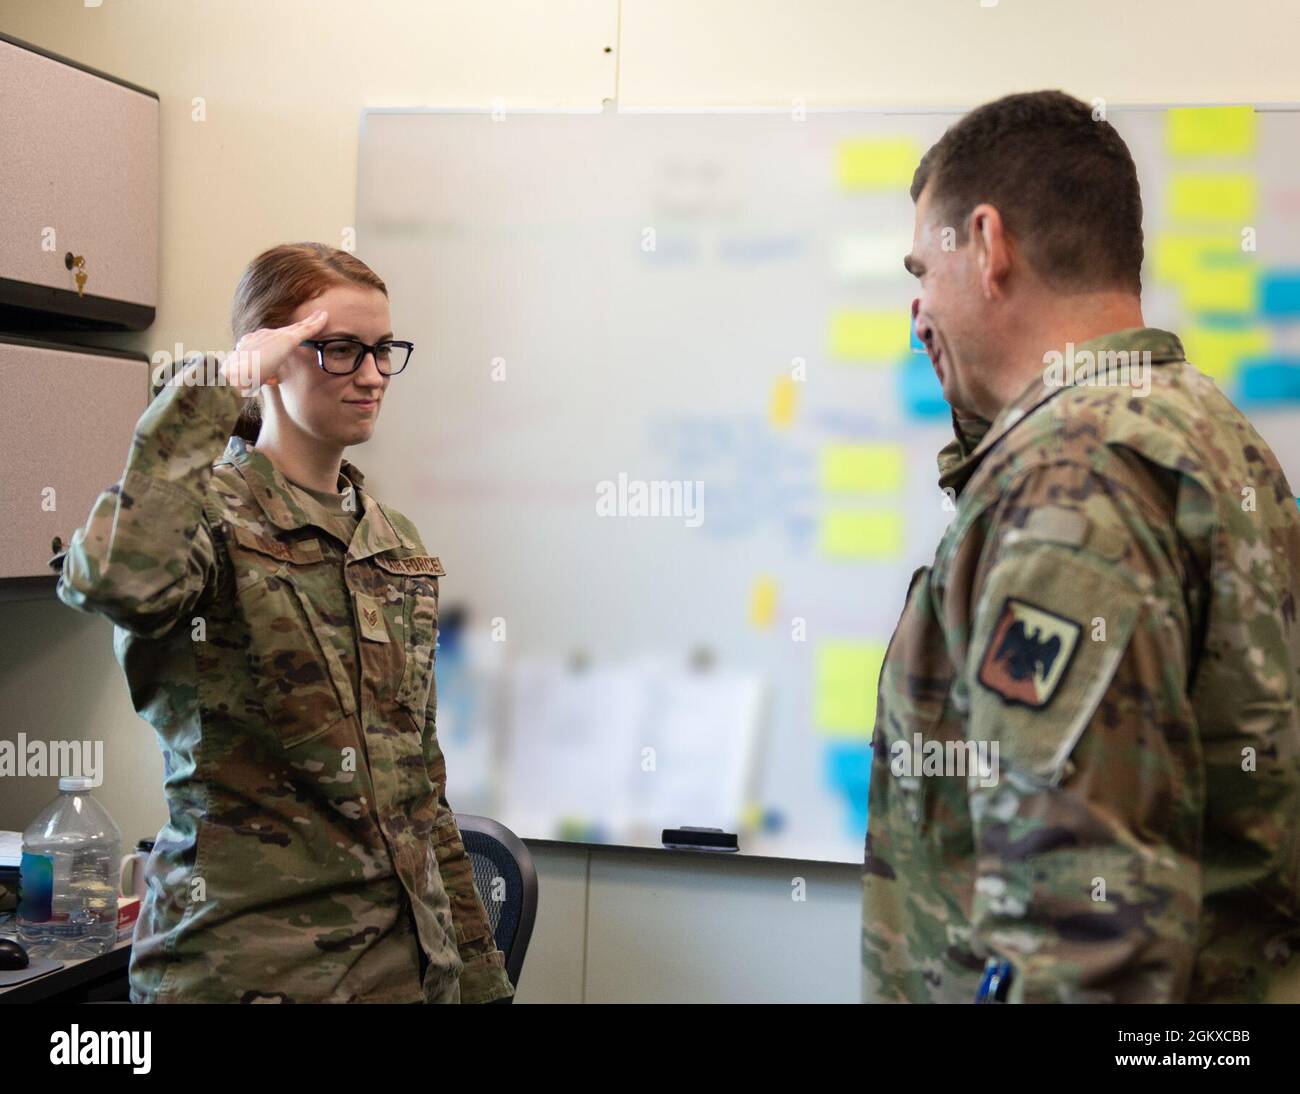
x: 337, y: 410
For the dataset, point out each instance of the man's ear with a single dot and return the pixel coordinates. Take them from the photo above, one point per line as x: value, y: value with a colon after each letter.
x: 992, y: 250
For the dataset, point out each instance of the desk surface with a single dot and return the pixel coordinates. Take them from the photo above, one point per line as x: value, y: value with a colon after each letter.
x: 72, y: 975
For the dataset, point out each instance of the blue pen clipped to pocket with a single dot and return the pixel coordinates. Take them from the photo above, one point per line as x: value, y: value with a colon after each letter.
x: 995, y: 982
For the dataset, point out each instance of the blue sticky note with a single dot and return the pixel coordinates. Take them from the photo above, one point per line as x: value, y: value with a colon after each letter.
x: 1268, y: 381
x: 1279, y: 293
x: 848, y: 770
x: 919, y: 389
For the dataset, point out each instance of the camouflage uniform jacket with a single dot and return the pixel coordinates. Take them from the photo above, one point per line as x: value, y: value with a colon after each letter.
x: 1114, y: 606
x: 289, y: 676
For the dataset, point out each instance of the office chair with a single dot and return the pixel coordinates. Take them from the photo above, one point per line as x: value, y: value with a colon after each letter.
x: 496, y: 852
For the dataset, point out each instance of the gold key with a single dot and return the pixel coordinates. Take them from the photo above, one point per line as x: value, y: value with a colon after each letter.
x: 79, y: 276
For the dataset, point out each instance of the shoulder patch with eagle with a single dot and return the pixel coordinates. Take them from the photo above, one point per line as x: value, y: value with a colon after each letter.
x: 1028, y: 654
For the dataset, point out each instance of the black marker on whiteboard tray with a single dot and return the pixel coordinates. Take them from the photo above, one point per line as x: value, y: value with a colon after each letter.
x: 700, y: 839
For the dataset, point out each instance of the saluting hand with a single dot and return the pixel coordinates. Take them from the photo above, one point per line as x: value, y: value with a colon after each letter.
x: 259, y: 356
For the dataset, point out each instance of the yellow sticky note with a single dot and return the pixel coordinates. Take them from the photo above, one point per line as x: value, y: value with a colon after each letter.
x: 861, y: 533
x: 1217, y: 351
x: 762, y: 602
x: 1223, y: 197
x: 785, y: 397
x: 1221, y: 289
x: 848, y: 674
x: 1210, y: 131
x: 882, y: 336
x: 876, y: 163
x: 862, y: 468
x: 1178, y: 256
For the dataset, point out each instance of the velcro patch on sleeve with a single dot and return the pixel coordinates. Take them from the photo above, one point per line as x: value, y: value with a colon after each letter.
x: 1051, y: 522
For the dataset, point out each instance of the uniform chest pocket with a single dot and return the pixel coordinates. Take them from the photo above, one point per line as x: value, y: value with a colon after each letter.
x: 283, y: 587
x: 417, y: 577
x: 421, y: 599
x: 915, y: 688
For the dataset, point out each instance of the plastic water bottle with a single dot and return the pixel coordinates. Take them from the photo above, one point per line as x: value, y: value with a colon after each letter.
x: 67, y: 902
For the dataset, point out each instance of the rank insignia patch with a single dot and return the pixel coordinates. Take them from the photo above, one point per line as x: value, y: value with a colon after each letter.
x: 1028, y: 653
x: 371, y: 617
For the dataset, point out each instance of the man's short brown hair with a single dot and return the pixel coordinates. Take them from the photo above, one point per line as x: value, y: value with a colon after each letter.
x: 1063, y: 181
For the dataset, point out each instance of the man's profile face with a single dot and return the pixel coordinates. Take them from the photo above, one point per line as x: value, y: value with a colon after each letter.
x: 949, y: 310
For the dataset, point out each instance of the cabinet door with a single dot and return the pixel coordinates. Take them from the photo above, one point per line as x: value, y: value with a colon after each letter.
x: 67, y: 420
x: 79, y: 177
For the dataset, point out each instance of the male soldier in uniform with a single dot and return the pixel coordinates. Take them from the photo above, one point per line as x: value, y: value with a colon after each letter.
x: 1109, y: 624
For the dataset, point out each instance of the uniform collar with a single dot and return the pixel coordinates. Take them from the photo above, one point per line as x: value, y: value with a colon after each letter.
x: 1163, y: 346
x: 271, y: 491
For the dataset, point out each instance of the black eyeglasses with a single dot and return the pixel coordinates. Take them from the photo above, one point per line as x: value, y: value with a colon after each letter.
x: 340, y: 356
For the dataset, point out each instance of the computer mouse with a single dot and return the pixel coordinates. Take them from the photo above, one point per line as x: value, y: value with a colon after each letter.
x: 12, y: 956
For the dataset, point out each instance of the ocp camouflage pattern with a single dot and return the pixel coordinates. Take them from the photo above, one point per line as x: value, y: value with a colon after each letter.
x: 310, y: 848
x: 1113, y: 604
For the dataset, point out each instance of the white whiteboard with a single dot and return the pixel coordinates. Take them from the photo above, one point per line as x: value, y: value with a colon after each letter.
x: 559, y: 345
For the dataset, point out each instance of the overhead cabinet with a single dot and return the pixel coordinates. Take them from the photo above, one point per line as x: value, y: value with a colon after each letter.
x: 78, y: 195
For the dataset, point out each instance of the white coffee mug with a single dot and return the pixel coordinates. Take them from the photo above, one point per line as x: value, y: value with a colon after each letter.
x: 130, y: 876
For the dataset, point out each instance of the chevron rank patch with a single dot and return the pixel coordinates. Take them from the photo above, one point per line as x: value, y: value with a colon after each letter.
x: 1028, y: 653
x: 371, y: 617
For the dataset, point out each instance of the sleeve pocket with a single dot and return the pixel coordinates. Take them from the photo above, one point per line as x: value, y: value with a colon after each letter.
x: 1050, y: 628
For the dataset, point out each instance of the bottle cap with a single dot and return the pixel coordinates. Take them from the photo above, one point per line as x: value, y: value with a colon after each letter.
x: 74, y: 783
